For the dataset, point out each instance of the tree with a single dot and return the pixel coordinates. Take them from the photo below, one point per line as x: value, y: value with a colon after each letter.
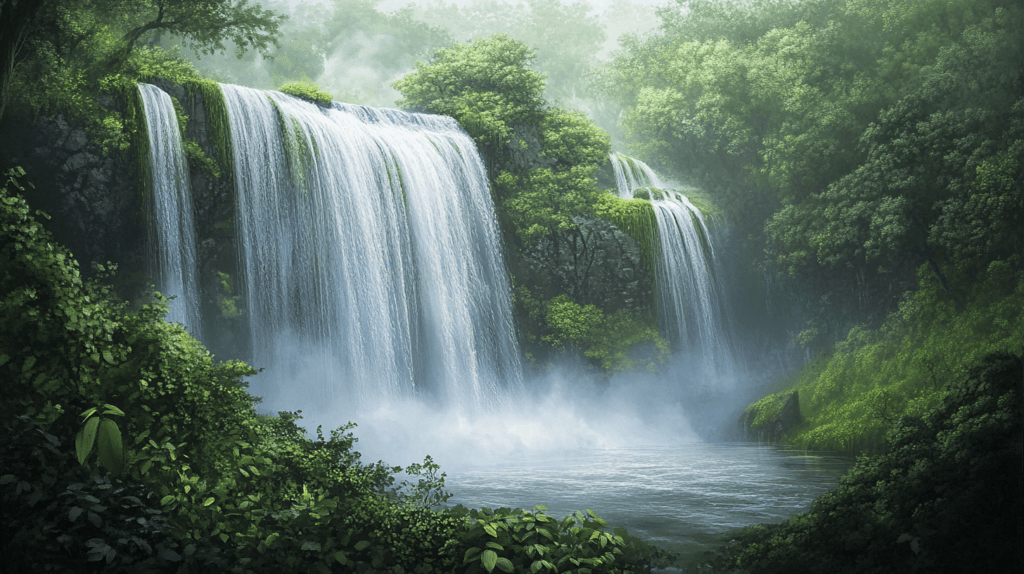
x: 17, y: 19
x: 204, y: 25
x: 487, y: 85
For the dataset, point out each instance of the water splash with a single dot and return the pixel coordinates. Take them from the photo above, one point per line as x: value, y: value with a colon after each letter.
x: 174, y: 227
x: 372, y: 263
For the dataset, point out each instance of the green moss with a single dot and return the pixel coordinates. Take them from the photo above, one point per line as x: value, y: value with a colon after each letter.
x: 764, y: 411
x: 228, y: 301
x: 307, y: 91
x: 135, y: 122
x: 219, y: 122
x: 193, y: 151
x: 396, y: 177
x: 299, y: 152
x: 635, y: 218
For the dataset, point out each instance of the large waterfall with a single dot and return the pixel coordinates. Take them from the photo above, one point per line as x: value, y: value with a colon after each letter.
x: 173, y: 226
x: 370, y: 255
x: 691, y: 310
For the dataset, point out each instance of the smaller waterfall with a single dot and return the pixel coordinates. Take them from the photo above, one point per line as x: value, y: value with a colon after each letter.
x: 632, y: 174
x: 691, y: 309
x: 174, y: 228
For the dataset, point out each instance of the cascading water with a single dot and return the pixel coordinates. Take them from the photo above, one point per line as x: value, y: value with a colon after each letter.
x: 370, y: 255
x: 173, y: 223
x: 632, y: 174
x: 692, y: 312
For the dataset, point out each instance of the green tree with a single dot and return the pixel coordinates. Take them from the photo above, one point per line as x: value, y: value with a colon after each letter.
x: 204, y: 25
x: 487, y: 85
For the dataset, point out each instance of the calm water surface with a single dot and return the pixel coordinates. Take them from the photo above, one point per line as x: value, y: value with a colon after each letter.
x: 679, y: 497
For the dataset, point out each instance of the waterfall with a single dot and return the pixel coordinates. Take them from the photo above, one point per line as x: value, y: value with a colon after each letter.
x: 173, y: 226
x: 691, y: 309
x: 632, y: 174
x: 370, y: 255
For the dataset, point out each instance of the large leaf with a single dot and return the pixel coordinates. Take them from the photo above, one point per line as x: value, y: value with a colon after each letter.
x: 489, y: 559
x: 85, y: 438
x: 111, y: 450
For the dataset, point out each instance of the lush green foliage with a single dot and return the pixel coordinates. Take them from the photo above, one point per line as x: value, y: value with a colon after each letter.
x: 77, y: 50
x: 487, y: 85
x: 566, y: 36
x: 946, y: 497
x: 851, y: 397
x: 524, y: 541
x: 307, y: 91
x: 871, y: 139
x: 619, y: 341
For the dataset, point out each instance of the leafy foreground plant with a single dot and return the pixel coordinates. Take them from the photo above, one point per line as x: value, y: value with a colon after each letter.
x: 947, y: 497
x: 523, y: 541
x: 191, y: 478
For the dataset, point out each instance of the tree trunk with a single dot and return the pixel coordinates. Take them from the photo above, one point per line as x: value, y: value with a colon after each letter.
x: 17, y: 18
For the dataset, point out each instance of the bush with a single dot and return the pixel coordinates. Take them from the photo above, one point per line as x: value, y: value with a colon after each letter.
x: 947, y: 497
x: 307, y: 91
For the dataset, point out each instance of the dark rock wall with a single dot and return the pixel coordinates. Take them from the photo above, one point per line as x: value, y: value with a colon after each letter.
x: 96, y: 208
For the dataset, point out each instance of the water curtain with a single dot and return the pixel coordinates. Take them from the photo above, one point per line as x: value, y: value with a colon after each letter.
x: 173, y: 223
x: 370, y: 254
x: 691, y: 309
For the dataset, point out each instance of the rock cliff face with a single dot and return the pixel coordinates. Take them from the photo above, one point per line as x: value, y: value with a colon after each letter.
x: 96, y: 208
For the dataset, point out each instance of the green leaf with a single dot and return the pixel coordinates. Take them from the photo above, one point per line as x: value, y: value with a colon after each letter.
x: 3, y: 359
x: 167, y: 500
x: 341, y: 557
x: 504, y: 564
x: 208, y: 501
x: 29, y: 362
x: 85, y: 438
x: 495, y: 546
x: 111, y: 450
x: 362, y: 544
x: 471, y: 554
x: 112, y: 410
x: 108, y: 358
x: 489, y: 559
x: 490, y: 530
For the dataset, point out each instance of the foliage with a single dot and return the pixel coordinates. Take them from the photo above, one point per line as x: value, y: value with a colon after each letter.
x: 945, y: 497
x: 76, y: 51
x: 875, y: 376
x: 619, y: 341
x: 486, y: 85
x: 870, y: 139
x: 523, y: 541
x: 307, y: 91
x: 635, y: 217
x: 762, y: 412
x: 566, y: 36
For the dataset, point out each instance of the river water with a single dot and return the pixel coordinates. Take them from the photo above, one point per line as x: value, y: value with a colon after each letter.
x: 682, y: 498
